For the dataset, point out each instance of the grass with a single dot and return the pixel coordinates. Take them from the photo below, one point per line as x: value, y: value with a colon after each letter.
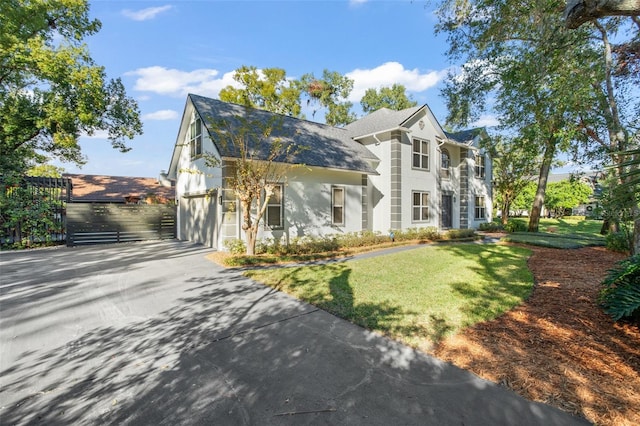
x: 417, y: 297
x: 566, y: 233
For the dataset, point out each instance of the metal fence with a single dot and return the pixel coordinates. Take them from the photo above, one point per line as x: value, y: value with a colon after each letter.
x: 32, y: 209
x: 96, y: 223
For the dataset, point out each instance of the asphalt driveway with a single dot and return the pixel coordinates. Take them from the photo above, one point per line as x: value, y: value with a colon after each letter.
x: 153, y: 333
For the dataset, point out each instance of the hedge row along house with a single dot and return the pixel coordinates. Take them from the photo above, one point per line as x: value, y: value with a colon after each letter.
x: 390, y: 170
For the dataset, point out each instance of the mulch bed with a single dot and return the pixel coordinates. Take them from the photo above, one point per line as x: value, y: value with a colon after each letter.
x: 559, y: 347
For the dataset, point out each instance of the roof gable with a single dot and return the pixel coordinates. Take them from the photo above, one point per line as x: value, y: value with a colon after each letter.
x: 381, y: 120
x: 467, y: 137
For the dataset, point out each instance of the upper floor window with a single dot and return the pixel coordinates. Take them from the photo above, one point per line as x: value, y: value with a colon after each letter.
x: 445, y: 166
x: 420, y: 206
x: 337, y: 205
x: 275, y: 208
x: 480, y: 166
x: 480, y: 208
x: 420, y: 154
x: 195, y: 137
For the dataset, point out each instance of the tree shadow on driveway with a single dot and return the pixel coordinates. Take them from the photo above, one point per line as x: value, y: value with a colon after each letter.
x: 228, y: 350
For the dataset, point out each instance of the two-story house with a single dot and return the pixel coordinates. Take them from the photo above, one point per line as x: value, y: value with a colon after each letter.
x: 387, y: 171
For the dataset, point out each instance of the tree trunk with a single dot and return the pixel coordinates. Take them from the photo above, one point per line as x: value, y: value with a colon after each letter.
x: 250, y: 229
x: 252, y: 234
x: 635, y: 247
x: 505, y: 212
x: 577, y: 12
x: 538, y: 201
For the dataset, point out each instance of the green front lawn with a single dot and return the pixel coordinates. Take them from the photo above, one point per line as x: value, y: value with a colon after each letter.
x: 418, y: 296
x: 561, y: 233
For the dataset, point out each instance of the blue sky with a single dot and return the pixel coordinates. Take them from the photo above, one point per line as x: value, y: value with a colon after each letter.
x: 165, y: 50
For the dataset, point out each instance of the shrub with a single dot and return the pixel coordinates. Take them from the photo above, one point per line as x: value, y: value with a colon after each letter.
x: 617, y: 241
x: 490, y: 227
x: 311, y: 244
x: 429, y: 233
x: 361, y: 239
x: 620, y: 296
x: 235, y: 246
x: 457, y: 234
x: 515, y: 225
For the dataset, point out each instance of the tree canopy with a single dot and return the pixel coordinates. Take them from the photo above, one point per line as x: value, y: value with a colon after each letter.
x: 394, y: 97
x: 267, y: 89
x: 331, y: 92
x: 566, y: 194
x: 51, y: 91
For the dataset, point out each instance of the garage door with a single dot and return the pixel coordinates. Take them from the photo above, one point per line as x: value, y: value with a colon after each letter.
x: 198, y: 220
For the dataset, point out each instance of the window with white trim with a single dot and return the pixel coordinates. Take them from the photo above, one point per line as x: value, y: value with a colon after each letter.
x: 480, y: 166
x: 480, y: 209
x: 195, y: 137
x: 420, y: 206
x: 337, y: 205
x: 275, y: 208
x: 420, y: 154
x: 445, y: 164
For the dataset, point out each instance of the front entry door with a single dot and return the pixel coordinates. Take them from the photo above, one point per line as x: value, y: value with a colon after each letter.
x: 447, y: 209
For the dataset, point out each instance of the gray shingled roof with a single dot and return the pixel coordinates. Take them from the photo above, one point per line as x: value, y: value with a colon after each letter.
x: 464, y: 136
x: 382, y: 119
x: 323, y: 146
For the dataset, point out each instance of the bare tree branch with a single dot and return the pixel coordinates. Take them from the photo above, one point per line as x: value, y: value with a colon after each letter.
x: 579, y: 12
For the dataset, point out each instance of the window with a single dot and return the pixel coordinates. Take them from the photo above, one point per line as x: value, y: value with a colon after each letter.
x: 445, y: 167
x: 420, y: 206
x: 195, y: 137
x: 480, y: 166
x: 275, y: 208
x: 420, y: 154
x: 337, y: 205
x: 480, y: 209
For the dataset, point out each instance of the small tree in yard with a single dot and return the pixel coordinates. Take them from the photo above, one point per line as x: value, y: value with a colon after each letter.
x: 259, y: 157
x: 514, y: 164
x: 566, y: 194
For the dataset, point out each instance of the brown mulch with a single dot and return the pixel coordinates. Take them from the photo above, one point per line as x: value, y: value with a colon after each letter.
x: 559, y: 347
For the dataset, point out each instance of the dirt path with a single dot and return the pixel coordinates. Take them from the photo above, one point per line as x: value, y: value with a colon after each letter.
x: 559, y: 347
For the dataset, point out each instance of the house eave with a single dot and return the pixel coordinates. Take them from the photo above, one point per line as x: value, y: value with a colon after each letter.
x: 378, y: 132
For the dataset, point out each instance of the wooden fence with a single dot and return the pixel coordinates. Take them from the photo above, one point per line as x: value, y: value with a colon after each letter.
x: 95, y: 223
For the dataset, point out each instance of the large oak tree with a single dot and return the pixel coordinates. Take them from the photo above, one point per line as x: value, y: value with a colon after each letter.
x: 51, y: 91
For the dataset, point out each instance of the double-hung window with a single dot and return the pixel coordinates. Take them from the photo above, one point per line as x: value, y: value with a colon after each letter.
x: 420, y: 206
x: 445, y: 166
x: 420, y: 154
x: 480, y: 166
x: 195, y: 137
x: 480, y: 209
x: 275, y: 208
x: 337, y: 205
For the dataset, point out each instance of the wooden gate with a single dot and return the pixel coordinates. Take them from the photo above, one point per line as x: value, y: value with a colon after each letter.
x: 97, y: 223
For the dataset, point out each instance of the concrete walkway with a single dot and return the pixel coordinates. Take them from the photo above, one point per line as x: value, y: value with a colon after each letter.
x: 155, y: 334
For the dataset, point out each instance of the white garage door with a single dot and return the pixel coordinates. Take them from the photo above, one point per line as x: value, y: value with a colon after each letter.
x: 198, y: 220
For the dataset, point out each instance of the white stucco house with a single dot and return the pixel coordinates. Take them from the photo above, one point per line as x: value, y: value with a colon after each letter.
x: 390, y: 170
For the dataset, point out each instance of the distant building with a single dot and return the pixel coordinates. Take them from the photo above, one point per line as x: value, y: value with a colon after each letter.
x: 118, y: 189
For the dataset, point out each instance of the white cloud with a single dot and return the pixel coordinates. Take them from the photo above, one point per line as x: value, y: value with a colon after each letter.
x: 163, y: 114
x: 357, y: 2
x: 391, y: 73
x: 178, y: 83
x: 486, y: 120
x: 145, y: 14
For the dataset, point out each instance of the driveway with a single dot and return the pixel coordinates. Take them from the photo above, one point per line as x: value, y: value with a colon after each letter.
x: 153, y: 333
